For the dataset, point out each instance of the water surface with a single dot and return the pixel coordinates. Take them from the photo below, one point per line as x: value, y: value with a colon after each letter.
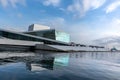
x: 59, y: 66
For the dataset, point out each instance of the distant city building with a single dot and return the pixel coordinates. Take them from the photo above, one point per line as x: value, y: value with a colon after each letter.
x: 35, y: 27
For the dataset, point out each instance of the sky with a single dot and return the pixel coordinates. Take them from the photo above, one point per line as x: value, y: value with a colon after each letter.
x: 84, y: 20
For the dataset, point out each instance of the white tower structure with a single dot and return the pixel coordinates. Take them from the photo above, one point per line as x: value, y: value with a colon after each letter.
x: 35, y: 27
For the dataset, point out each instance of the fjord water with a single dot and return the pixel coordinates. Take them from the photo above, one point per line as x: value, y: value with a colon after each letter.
x: 60, y: 66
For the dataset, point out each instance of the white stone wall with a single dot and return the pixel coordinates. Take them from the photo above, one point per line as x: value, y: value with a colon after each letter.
x: 18, y: 42
x: 35, y: 27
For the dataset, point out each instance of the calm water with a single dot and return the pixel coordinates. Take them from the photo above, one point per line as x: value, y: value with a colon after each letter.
x: 59, y: 66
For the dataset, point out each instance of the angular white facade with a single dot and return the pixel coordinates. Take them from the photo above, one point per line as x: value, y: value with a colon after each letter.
x: 35, y: 27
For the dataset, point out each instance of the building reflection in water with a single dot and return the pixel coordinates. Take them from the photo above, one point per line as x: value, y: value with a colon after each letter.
x: 51, y: 61
x: 48, y: 62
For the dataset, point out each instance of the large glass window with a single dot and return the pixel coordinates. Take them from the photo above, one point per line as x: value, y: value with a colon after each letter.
x: 47, y: 34
x: 62, y: 36
x: 52, y: 34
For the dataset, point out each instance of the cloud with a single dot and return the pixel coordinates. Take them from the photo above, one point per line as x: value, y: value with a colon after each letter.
x: 110, y: 34
x: 106, y: 27
x: 75, y: 8
x: 57, y: 23
x: 4, y: 3
x: 80, y: 7
x: 113, y: 6
x: 51, y: 2
x: 19, y: 15
x: 13, y: 3
x: 112, y: 28
x: 83, y: 32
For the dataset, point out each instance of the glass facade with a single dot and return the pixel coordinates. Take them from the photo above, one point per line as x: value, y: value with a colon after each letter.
x: 62, y: 36
x: 52, y: 34
x: 17, y: 36
x: 47, y: 34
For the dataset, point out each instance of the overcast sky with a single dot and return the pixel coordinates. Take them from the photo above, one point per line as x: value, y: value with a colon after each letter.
x: 85, y: 20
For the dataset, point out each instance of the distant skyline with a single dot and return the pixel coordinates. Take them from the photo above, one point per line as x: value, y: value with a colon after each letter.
x: 85, y: 20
